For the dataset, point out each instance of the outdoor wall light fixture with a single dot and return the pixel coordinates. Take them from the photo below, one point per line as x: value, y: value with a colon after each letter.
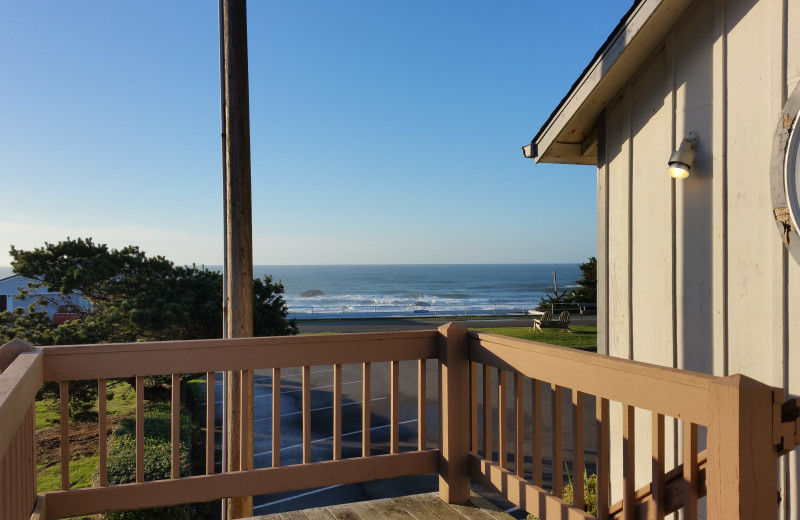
x: 680, y: 162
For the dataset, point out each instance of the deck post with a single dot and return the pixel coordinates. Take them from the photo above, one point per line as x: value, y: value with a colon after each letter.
x: 742, y: 461
x: 455, y: 414
x: 239, y: 241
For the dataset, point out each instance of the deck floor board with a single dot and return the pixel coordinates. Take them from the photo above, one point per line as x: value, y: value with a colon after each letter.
x: 425, y: 506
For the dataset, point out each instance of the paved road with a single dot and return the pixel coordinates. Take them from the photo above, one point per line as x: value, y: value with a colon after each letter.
x: 322, y: 418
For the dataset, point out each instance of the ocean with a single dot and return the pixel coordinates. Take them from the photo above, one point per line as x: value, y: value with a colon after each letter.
x: 411, y: 290
x: 353, y: 291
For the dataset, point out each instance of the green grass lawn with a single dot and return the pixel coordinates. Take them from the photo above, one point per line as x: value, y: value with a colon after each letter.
x: 121, y: 399
x: 582, y: 336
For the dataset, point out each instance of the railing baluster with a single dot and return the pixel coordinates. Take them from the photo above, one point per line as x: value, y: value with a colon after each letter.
x: 422, y: 399
x: 276, y: 417
x: 306, y: 414
x: 603, y: 448
x: 536, y: 433
x: 658, y: 466
x: 64, y: 427
x: 473, y: 396
x: 246, y: 425
x: 337, y: 412
x: 502, y: 418
x: 211, y: 386
x: 366, y: 373
x: 139, y: 429
x: 488, y: 452
x: 395, y: 409
x: 577, y: 449
x: 102, y: 431
x: 175, y: 470
x: 558, y: 471
x: 519, y: 424
x: 690, y: 469
x: 628, y: 461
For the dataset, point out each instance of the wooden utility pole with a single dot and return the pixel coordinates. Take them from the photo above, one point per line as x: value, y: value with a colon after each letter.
x: 239, y: 241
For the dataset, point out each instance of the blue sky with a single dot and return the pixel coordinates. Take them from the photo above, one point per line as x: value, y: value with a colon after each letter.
x: 381, y: 132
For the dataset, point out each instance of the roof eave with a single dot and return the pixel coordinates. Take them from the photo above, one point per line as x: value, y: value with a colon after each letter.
x: 570, y: 135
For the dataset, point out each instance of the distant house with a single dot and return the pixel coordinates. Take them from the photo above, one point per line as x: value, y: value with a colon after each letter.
x: 9, y: 292
x: 699, y: 273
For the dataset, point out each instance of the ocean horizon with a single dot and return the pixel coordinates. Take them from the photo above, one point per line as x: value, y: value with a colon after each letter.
x: 390, y: 290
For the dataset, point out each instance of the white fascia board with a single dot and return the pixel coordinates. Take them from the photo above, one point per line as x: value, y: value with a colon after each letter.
x: 632, y: 42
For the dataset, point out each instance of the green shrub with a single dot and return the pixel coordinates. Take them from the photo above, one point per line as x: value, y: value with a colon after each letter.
x: 157, y: 458
x: 589, y: 492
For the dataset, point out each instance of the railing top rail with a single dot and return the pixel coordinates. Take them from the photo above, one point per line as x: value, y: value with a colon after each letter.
x: 678, y: 393
x: 71, y: 362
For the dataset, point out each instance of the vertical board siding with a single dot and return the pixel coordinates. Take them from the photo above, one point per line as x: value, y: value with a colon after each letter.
x: 723, y: 72
x: 752, y: 239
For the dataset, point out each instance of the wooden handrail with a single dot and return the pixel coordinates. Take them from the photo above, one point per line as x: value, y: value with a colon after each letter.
x: 734, y: 445
x: 76, y: 362
x: 673, y: 392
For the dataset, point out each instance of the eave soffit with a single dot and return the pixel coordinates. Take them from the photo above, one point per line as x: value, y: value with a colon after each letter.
x: 570, y: 133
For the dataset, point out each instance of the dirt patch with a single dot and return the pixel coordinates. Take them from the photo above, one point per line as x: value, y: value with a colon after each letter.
x: 83, y: 440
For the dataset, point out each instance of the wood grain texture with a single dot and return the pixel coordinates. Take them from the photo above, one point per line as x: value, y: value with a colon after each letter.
x: 259, y: 481
x: 184, y: 357
x: 669, y: 391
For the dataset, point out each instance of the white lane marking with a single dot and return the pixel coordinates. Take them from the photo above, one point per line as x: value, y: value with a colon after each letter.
x: 265, y: 378
x: 321, y: 408
x: 511, y: 509
x: 326, y: 439
x: 331, y: 438
x: 297, y: 496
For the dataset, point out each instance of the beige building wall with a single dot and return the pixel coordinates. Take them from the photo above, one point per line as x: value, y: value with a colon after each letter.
x: 695, y: 273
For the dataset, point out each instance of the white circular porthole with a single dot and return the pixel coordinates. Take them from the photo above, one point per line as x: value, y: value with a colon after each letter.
x: 785, y: 174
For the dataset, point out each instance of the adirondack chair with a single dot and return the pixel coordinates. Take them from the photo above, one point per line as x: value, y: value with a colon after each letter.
x: 543, y: 321
x: 562, y: 323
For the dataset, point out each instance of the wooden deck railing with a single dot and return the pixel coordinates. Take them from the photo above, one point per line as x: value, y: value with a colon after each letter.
x: 512, y: 437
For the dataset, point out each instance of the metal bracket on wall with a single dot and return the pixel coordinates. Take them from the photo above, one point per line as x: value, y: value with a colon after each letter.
x: 782, y: 215
x: 786, y: 424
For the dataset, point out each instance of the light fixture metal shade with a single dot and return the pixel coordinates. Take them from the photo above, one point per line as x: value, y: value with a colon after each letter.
x: 680, y: 162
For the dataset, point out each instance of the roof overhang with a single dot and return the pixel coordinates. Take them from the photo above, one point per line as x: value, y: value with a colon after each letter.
x: 570, y: 133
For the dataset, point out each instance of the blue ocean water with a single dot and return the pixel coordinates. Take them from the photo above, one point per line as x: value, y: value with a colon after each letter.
x: 407, y: 290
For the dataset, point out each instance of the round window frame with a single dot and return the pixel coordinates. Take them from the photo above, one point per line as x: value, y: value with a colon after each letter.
x: 785, y: 174
x: 791, y: 183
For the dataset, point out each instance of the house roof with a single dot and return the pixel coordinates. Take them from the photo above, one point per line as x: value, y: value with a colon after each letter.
x: 570, y: 133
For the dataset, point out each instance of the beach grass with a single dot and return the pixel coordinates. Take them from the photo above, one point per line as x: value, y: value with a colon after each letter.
x: 582, y: 336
